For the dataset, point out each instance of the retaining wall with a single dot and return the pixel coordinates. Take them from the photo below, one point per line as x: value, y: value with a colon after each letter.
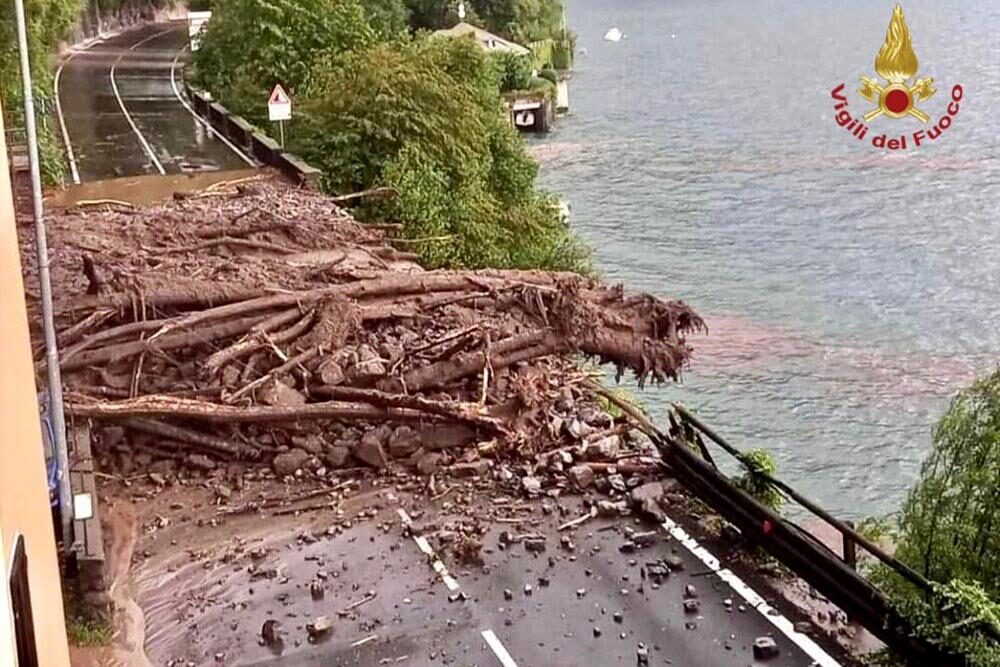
x: 251, y: 140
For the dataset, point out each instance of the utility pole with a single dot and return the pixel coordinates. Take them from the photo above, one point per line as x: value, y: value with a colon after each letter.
x: 45, y: 287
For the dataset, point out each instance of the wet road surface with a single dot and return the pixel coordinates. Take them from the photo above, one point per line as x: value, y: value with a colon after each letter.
x: 206, y: 606
x: 122, y: 108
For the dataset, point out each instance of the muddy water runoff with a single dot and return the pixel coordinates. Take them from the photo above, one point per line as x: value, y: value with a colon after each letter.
x: 849, y: 292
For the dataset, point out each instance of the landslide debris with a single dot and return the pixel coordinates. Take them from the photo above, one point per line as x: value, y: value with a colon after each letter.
x: 261, y: 323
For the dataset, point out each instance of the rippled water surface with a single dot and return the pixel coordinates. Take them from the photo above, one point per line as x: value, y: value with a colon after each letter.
x: 849, y: 292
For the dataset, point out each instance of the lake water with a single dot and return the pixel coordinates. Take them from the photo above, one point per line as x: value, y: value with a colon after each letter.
x: 849, y: 291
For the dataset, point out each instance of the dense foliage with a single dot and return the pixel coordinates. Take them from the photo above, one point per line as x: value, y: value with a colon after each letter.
x: 378, y: 107
x: 950, y: 530
x: 47, y: 22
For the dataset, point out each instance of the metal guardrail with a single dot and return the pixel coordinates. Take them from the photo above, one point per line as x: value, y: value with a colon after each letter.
x: 686, y: 454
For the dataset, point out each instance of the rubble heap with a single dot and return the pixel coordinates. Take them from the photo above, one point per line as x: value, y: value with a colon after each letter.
x: 258, y: 322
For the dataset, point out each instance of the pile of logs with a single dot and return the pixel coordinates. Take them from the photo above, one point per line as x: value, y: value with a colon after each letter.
x: 255, y: 319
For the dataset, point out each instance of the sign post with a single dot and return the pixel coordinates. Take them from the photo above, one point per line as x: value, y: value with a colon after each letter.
x: 279, y: 108
x: 196, y: 23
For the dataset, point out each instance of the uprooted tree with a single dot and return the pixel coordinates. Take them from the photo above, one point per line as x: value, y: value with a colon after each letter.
x: 235, y: 325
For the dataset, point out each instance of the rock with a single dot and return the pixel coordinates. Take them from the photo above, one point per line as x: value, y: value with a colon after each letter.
x: 312, y: 443
x: 577, y: 429
x: 690, y: 592
x: 618, y: 617
x: 163, y: 467
x: 645, y: 539
x: 608, y: 508
x: 605, y: 449
x: 641, y: 654
x: 200, y: 462
x: 479, y: 468
x: 277, y: 393
x: 270, y: 632
x: 508, y: 594
x: 582, y: 476
x: 674, y: 562
x: 319, y: 627
x: 336, y: 456
x: 288, y: 462
x: 430, y: 462
x: 316, y: 590
x: 370, y: 450
x: 647, y: 499
x: 158, y: 479
x: 534, y: 544
x: 531, y: 485
x: 403, y: 442
x: 691, y: 606
x: 627, y: 547
x: 331, y: 373
x: 617, y: 482
x: 597, y: 631
x: 765, y: 648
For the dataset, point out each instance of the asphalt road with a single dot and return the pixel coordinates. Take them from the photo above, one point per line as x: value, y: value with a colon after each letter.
x: 120, y: 101
x: 592, y: 605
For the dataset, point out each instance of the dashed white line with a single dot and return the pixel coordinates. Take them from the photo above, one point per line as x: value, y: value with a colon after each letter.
x: 498, y: 649
x: 820, y: 657
x: 121, y: 103
x: 62, y: 124
x: 425, y: 547
x: 208, y: 126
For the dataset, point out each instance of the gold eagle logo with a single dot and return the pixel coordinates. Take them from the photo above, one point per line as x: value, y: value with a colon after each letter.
x: 896, y: 62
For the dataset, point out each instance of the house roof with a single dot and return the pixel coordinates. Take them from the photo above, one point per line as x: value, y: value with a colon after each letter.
x: 485, y: 38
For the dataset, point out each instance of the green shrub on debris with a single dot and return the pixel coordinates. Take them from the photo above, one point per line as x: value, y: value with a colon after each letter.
x: 949, y: 531
x: 759, y: 462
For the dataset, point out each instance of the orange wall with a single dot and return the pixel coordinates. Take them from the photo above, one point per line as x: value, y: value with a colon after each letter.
x: 24, y: 501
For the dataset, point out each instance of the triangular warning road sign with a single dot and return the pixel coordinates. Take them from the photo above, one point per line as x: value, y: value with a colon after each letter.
x: 278, y: 96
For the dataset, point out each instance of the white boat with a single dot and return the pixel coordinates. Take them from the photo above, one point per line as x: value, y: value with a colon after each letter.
x: 613, y: 35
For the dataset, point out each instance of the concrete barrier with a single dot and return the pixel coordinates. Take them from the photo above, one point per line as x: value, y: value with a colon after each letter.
x: 247, y: 137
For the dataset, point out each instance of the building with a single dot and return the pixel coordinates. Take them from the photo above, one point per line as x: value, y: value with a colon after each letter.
x: 486, y: 39
x: 32, y: 625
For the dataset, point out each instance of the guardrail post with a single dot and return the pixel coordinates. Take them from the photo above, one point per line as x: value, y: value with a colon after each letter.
x: 850, y: 548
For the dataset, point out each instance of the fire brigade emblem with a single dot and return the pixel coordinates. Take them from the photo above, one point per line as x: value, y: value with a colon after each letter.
x: 896, y: 63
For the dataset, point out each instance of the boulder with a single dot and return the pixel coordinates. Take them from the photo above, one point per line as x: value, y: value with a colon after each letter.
x: 311, y: 442
x: 648, y: 498
x: 278, y: 393
x: 336, y: 455
x: 582, y: 476
x: 605, y: 449
x: 403, y: 442
x: 370, y: 450
x: 430, y: 462
x: 288, y: 462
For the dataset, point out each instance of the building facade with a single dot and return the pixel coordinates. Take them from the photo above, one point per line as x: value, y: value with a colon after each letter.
x: 32, y: 625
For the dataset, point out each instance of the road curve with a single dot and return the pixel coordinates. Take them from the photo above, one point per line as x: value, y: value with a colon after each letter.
x: 122, y: 111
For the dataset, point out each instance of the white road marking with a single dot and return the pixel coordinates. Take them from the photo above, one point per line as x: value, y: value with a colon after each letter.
x: 121, y: 103
x: 62, y: 124
x: 425, y: 547
x: 208, y: 126
x: 820, y: 657
x: 498, y: 649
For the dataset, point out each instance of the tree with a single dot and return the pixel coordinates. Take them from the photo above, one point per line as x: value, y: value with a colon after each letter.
x: 426, y: 118
x: 949, y: 530
x: 250, y: 45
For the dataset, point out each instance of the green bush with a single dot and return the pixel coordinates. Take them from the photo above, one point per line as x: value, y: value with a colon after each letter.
x: 759, y: 462
x: 48, y: 21
x: 549, y: 75
x: 424, y: 118
x: 514, y: 70
x: 949, y: 530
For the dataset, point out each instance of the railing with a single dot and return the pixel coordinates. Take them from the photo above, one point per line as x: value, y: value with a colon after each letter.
x: 686, y: 454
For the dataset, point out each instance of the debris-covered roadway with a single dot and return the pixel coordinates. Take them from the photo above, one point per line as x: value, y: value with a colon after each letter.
x: 358, y: 589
